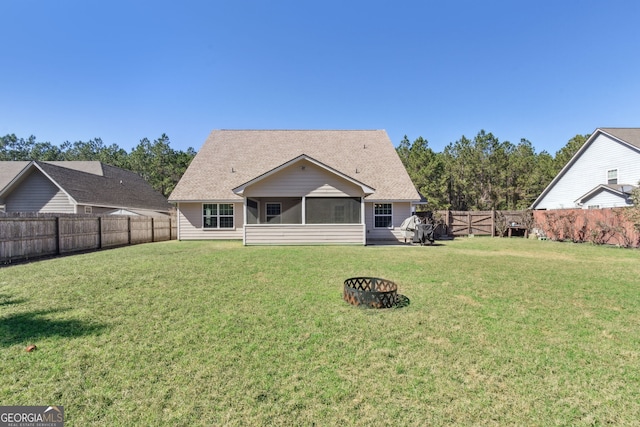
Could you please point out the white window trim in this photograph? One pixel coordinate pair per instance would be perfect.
(377, 215)
(616, 177)
(218, 216)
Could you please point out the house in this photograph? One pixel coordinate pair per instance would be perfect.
(601, 174)
(76, 187)
(295, 187)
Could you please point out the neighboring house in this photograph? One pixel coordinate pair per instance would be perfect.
(76, 187)
(600, 175)
(295, 187)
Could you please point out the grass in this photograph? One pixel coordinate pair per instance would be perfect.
(497, 332)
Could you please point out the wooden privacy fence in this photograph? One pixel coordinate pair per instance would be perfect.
(611, 226)
(483, 223)
(598, 226)
(31, 237)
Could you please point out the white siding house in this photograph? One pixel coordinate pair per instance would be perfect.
(295, 187)
(600, 175)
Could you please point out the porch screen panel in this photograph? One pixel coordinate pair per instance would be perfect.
(332, 210)
(252, 211)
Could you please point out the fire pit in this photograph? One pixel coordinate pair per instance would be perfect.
(371, 292)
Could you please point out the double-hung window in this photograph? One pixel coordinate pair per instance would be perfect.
(382, 215)
(612, 176)
(217, 215)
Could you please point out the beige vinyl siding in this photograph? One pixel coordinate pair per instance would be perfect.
(298, 234)
(294, 181)
(190, 223)
(38, 194)
(400, 211)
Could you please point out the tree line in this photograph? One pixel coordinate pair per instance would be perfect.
(483, 173)
(155, 161)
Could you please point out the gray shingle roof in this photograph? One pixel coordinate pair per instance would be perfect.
(628, 135)
(114, 187)
(9, 170)
(94, 183)
(619, 189)
(230, 158)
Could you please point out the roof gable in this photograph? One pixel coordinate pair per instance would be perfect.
(231, 158)
(96, 184)
(620, 190)
(303, 159)
(627, 137)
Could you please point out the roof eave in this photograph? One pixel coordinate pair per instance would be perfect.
(603, 187)
(566, 167)
(7, 188)
(24, 171)
(239, 190)
(207, 200)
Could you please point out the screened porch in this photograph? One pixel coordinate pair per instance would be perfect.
(304, 210)
(304, 220)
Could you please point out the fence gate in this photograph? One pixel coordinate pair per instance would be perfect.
(472, 222)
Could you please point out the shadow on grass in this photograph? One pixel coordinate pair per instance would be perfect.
(22, 328)
(7, 300)
(402, 301)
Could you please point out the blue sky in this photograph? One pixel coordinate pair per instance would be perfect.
(124, 70)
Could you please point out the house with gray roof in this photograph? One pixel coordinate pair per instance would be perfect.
(601, 174)
(77, 187)
(295, 187)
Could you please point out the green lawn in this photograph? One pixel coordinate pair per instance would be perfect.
(496, 332)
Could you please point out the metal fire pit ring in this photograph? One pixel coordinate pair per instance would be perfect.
(371, 292)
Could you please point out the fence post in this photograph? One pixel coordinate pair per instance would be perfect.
(128, 230)
(153, 231)
(99, 232)
(469, 222)
(58, 238)
(493, 223)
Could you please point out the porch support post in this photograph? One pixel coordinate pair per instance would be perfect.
(245, 214)
(304, 210)
(244, 211)
(363, 222)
